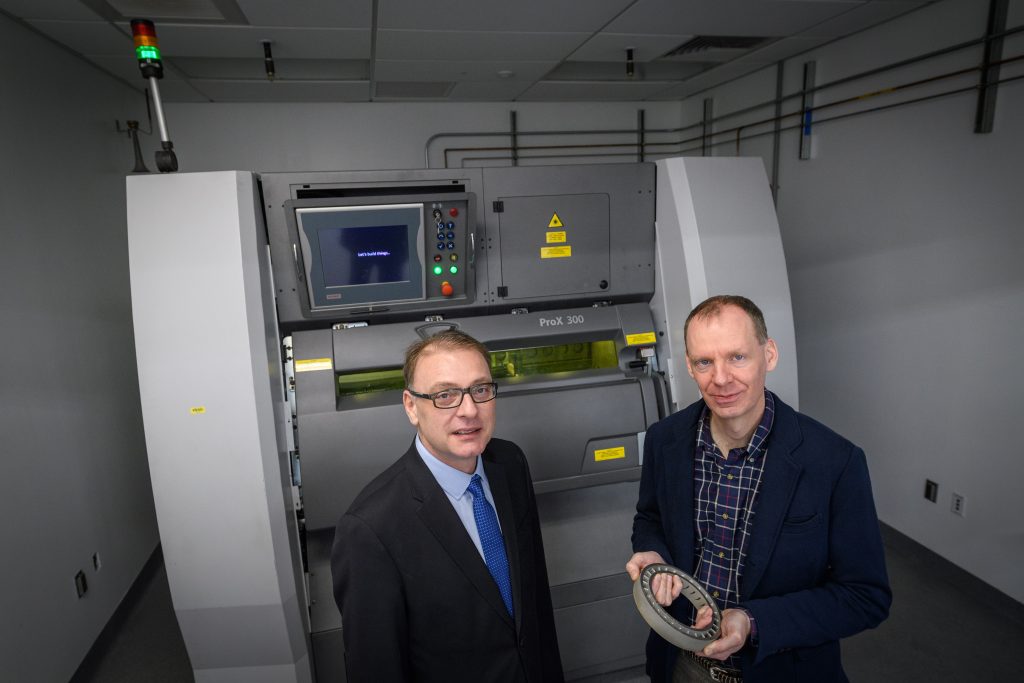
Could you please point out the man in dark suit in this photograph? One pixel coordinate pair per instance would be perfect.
(771, 511)
(432, 584)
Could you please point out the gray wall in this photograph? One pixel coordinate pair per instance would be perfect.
(904, 241)
(75, 479)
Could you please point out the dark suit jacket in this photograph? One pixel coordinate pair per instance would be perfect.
(815, 567)
(417, 601)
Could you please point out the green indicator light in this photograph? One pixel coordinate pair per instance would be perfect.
(438, 270)
(453, 270)
(147, 52)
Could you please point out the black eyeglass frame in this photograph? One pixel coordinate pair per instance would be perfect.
(462, 394)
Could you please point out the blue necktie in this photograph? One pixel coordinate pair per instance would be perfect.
(490, 539)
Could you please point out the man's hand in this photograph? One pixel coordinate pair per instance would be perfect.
(666, 587)
(735, 630)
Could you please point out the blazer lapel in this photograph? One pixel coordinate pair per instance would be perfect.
(497, 478)
(781, 474)
(677, 457)
(437, 513)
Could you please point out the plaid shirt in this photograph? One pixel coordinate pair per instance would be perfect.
(724, 492)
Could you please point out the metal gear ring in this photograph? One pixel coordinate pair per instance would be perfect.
(663, 623)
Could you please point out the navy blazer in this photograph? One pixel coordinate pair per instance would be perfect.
(417, 601)
(815, 566)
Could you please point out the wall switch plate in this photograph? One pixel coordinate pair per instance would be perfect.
(959, 502)
(931, 490)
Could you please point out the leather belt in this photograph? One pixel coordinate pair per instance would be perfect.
(675, 632)
(718, 673)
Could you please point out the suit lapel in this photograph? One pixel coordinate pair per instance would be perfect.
(497, 477)
(438, 515)
(678, 463)
(781, 474)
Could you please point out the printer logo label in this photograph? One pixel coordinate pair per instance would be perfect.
(561, 320)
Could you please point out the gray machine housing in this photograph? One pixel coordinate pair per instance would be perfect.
(255, 451)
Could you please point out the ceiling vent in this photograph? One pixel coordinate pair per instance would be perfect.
(706, 43)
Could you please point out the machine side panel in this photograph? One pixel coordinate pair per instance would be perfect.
(208, 402)
(720, 213)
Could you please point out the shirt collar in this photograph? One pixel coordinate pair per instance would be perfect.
(755, 447)
(453, 481)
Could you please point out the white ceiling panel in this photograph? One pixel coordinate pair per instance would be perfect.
(179, 40)
(557, 16)
(615, 71)
(88, 37)
(859, 19)
(573, 91)
(309, 13)
(279, 91)
(781, 49)
(610, 47)
(127, 67)
(488, 91)
(728, 17)
(708, 79)
(441, 70)
(284, 69)
(471, 46)
(181, 91)
(69, 10)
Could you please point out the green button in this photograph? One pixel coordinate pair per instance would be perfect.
(438, 270)
(453, 270)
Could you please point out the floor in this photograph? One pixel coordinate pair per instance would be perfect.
(945, 625)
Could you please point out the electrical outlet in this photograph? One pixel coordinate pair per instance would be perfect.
(931, 490)
(81, 585)
(959, 503)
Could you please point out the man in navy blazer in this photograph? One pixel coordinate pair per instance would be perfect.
(770, 510)
(428, 590)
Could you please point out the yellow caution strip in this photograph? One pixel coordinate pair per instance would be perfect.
(639, 339)
(609, 454)
(556, 252)
(310, 364)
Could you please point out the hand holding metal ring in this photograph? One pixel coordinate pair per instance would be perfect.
(675, 632)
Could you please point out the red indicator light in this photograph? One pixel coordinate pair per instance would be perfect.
(447, 289)
(453, 212)
(437, 258)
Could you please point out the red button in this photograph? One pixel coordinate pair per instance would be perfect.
(447, 289)
(453, 212)
(437, 258)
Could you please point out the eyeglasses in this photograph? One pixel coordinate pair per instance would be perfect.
(452, 398)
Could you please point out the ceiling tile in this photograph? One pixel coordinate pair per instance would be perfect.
(858, 19)
(564, 91)
(309, 13)
(125, 66)
(180, 40)
(266, 91)
(180, 91)
(472, 46)
(616, 71)
(609, 47)
(285, 69)
(488, 91)
(781, 49)
(88, 37)
(69, 10)
(728, 17)
(558, 16)
(708, 79)
(442, 70)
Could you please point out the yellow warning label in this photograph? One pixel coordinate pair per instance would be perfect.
(643, 338)
(311, 364)
(556, 252)
(609, 454)
(553, 237)
(556, 222)
(197, 410)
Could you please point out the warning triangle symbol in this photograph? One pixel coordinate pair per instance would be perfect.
(555, 221)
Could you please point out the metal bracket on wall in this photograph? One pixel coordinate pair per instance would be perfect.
(640, 135)
(806, 110)
(988, 86)
(514, 135)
